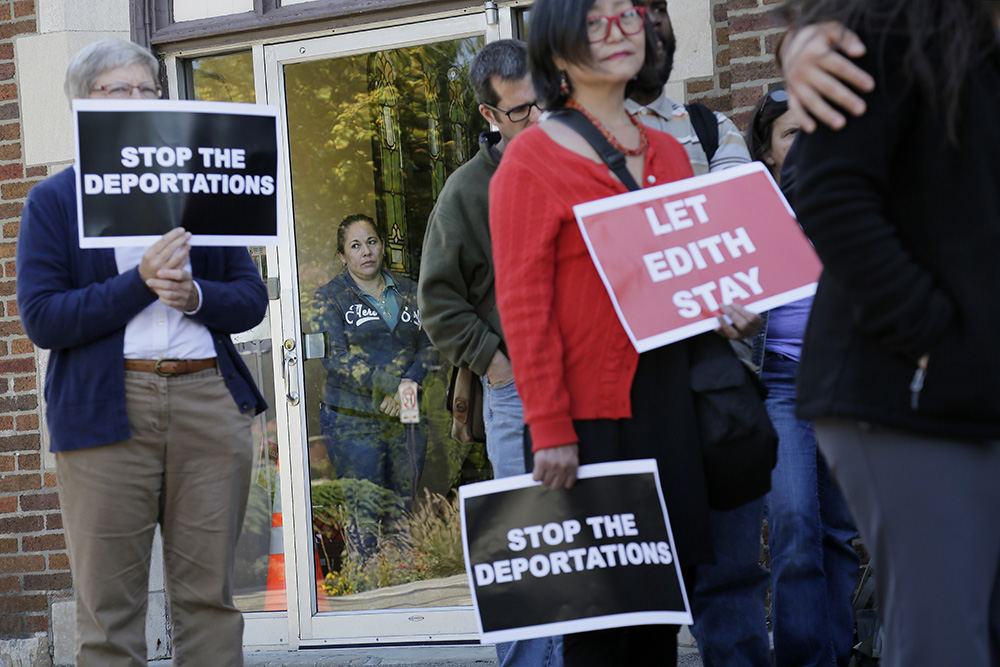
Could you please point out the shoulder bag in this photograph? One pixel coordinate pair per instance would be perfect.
(465, 403)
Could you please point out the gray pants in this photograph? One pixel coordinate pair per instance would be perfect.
(928, 509)
(186, 467)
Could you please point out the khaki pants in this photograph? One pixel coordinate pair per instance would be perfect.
(187, 467)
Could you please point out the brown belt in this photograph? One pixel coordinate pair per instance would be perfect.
(169, 367)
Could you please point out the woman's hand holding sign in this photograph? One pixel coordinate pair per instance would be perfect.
(162, 269)
(555, 467)
(736, 322)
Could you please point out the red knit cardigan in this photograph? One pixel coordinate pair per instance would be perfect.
(572, 359)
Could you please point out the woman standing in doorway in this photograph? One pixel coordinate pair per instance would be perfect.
(375, 347)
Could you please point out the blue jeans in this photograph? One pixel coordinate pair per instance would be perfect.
(503, 416)
(813, 565)
(377, 448)
(728, 598)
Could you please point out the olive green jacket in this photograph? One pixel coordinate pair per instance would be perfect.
(455, 292)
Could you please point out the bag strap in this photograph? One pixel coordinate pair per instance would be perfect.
(612, 157)
(706, 126)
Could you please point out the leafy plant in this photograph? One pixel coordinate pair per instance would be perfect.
(352, 510)
(436, 534)
(425, 544)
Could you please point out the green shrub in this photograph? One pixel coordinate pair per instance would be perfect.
(436, 533)
(423, 544)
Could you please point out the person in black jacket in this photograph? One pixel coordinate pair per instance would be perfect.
(375, 346)
(899, 371)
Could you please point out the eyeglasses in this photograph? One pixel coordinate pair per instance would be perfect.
(630, 21)
(519, 113)
(121, 90)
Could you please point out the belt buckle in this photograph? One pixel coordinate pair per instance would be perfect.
(162, 373)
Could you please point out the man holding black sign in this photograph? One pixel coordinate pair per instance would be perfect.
(149, 406)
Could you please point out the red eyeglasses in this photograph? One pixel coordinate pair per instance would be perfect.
(630, 21)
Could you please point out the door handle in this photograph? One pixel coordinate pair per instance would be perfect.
(289, 358)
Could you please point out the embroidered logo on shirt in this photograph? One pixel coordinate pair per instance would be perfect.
(406, 315)
(358, 314)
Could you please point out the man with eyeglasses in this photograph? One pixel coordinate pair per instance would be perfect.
(149, 406)
(728, 598)
(657, 110)
(455, 290)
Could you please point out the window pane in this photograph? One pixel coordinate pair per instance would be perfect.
(377, 134)
(226, 78)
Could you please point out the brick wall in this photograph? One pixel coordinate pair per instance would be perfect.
(746, 33)
(34, 567)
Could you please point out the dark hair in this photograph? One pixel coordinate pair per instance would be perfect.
(348, 222)
(770, 107)
(559, 28)
(947, 39)
(505, 58)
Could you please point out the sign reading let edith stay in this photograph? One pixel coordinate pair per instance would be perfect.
(672, 255)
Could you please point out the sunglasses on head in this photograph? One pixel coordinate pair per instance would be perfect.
(780, 96)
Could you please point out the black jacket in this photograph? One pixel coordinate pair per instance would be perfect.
(908, 228)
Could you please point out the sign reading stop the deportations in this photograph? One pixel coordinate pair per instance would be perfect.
(144, 167)
(598, 555)
(672, 255)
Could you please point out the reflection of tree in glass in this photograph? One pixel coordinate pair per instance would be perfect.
(342, 163)
(335, 118)
(227, 78)
(334, 121)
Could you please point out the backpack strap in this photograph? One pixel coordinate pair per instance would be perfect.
(612, 157)
(706, 126)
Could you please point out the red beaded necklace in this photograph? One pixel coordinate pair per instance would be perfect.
(631, 152)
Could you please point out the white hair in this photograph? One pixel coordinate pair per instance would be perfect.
(97, 58)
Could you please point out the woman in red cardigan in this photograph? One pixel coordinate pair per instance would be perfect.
(588, 395)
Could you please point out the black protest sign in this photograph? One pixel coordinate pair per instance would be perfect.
(146, 167)
(598, 555)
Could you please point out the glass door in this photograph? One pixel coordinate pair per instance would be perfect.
(259, 585)
(229, 78)
(374, 122)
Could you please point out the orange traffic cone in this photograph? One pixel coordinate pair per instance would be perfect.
(274, 595)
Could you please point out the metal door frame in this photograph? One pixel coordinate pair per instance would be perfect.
(444, 624)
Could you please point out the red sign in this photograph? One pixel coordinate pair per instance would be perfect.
(671, 255)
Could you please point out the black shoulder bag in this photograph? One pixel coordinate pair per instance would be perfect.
(739, 445)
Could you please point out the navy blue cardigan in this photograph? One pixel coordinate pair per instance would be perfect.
(76, 304)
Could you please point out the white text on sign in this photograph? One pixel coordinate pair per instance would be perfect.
(698, 255)
(602, 527)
